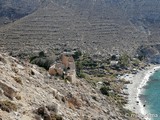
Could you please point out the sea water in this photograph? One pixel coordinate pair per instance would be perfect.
(151, 96)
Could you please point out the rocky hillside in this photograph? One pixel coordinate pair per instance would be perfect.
(11, 10)
(98, 27)
(28, 93)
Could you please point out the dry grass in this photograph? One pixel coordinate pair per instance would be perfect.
(15, 70)
(55, 117)
(18, 80)
(7, 106)
(74, 103)
(18, 97)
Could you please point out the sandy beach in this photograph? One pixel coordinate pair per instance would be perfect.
(138, 81)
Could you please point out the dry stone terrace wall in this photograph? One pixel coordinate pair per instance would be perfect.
(63, 27)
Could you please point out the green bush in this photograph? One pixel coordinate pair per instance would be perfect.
(43, 62)
(136, 62)
(78, 67)
(81, 75)
(32, 58)
(100, 75)
(124, 60)
(42, 54)
(77, 54)
(104, 90)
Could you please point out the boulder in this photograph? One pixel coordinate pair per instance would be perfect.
(52, 71)
(9, 90)
(2, 59)
(53, 108)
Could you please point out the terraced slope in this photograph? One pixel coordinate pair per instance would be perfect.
(95, 26)
(61, 27)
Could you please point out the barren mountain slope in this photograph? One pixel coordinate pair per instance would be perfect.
(95, 26)
(100, 28)
(10, 10)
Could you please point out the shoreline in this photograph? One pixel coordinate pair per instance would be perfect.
(135, 89)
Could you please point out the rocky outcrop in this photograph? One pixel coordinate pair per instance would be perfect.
(151, 53)
(9, 90)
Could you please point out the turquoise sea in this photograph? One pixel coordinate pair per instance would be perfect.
(151, 96)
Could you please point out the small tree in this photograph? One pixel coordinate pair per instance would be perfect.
(77, 54)
(42, 60)
(78, 67)
(42, 54)
(104, 90)
(124, 60)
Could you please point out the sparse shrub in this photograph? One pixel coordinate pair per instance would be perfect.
(53, 108)
(15, 70)
(113, 57)
(78, 66)
(40, 111)
(125, 82)
(73, 102)
(7, 106)
(125, 111)
(76, 103)
(89, 63)
(77, 54)
(18, 80)
(101, 75)
(32, 58)
(124, 60)
(56, 117)
(21, 55)
(44, 62)
(105, 90)
(51, 115)
(141, 57)
(136, 62)
(71, 106)
(82, 75)
(42, 54)
(18, 97)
